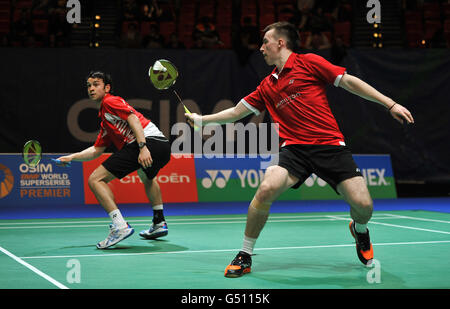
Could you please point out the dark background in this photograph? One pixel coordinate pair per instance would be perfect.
(43, 70)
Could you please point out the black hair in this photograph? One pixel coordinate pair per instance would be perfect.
(288, 31)
(106, 78)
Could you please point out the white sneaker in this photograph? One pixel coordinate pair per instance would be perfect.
(155, 231)
(115, 235)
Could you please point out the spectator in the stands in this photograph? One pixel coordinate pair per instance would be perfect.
(23, 31)
(130, 10)
(409, 5)
(250, 37)
(304, 10)
(205, 34)
(343, 11)
(174, 42)
(41, 6)
(318, 21)
(249, 40)
(338, 50)
(305, 5)
(317, 41)
(59, 28)
(154, 39)
(150, 11)
(4, 41)
(131, 38)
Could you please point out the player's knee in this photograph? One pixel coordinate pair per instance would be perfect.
(266, 192)
(92, 180)
(365, 204)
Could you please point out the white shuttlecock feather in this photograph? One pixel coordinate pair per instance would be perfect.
(159, 67)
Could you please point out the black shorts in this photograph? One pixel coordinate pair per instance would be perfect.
(331, 163)
(125, 161)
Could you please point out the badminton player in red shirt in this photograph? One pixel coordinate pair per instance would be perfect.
(311, 141)
(141, 146)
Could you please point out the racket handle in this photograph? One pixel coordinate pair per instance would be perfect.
(196, 128)
(186, 109)
(60, 163)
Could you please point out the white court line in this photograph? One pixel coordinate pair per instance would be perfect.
(409, 227)
(242, 217)
(232, 250)
(400, 226)
(418, 218)
(34, 269)
(242, 220)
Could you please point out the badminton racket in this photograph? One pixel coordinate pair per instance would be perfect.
(163, 75)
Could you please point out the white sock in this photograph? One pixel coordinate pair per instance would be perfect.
(361, 228)
(117, 218)
(248, 244)
(158, 207)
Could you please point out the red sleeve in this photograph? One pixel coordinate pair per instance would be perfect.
(254, 101)
(324, 70)
(117, 106)
(103, 139)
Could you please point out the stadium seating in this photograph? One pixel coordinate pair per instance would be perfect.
(431, 27)
(24, 4)
(40, 27)
(343, 30)
(5, 15)
(166, 28)
(447, 32)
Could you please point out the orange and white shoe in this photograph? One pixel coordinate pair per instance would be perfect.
(239, 266)
(364, 247)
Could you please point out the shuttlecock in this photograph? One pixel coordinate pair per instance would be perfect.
(159, 67)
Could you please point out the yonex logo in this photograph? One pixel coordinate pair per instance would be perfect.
(214, 177)
(374, 176)
(163, 76)
(6, 181)
(313, 179)
(246, 178)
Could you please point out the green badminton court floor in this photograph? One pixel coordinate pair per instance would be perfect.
(294, 251)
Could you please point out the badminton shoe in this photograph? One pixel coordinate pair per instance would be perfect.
(239, 266)
(115, 235)
(364, 247)
(155, 231)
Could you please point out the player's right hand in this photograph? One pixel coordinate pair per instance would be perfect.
(193, 118)
(63, 161)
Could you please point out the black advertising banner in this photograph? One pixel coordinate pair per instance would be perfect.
(43, 96)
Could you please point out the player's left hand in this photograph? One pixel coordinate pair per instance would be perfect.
(401, 114)
(145, 158)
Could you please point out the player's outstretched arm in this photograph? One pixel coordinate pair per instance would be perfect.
(364, 90)
(231, 114)
(85, 155)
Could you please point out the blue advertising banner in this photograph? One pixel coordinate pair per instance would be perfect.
(217, 180)
(45, 184)
(222, 179)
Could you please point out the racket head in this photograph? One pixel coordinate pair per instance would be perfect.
(163, 74)
(32, 153)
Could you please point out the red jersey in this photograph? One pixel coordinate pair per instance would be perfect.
(296, 99)
(114, 128)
